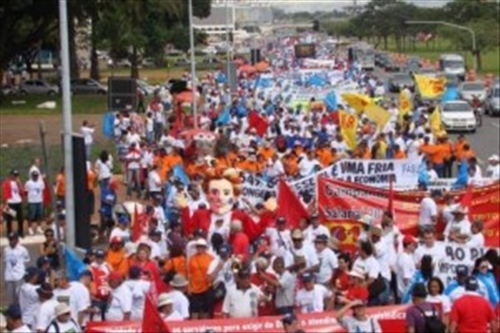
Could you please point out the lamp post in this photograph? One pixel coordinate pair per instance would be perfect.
(456, 26)
(193, 65)
(228, 52)
(67, 125)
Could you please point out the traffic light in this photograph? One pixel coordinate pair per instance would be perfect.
(316, 25)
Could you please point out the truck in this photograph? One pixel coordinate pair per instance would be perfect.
(453, 64)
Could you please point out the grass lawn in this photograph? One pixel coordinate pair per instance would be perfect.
(490, 59)
(81, 104)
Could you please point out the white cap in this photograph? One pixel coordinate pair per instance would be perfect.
(164, 299)
(494, 158)
(200, 242)
(356, 274)
(460, 210)
(62, 308)
(365, 219)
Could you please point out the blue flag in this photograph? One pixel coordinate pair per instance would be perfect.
(423, 175)
(74, 265)
(451, 94)
(180, 174)
(108, 124)
(331, 101)
(225, 117)
(242, 111)
(463, 176)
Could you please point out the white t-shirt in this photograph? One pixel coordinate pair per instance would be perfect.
(279, 241)
(15, 260)
(87, 133)
(149, 125)
(405, 269)
(22, 329)
(174, 316)
(311, 301)
(351, 324)
(46, 313)
(437, 252)
(428, 208)
(68, 327)
(369, 266)
(311, 232)
(442, 300)
(77, 296)
(134, 160)
(285, 295)
(121, 303)
(28, 301)
(382, 252)
(104, 170)
(307, 251)
(181, 303)
(138, 289)
(462, 227)
(15, 193)
(117, 232)
(327, 264)
(154, 181)
(476, 240)
(306, 166)
(242, 304)
(34, 190)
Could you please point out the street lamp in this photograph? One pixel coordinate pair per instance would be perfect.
(456, 26)
(193, 65)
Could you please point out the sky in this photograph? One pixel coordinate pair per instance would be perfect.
(327, 5)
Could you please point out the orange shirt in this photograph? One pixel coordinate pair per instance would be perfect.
(118, 261)
(199, 281)
(367, 155)
(91, 180)
(399, 155)
(178, 264)
(267, 153)
(325, 157)
(249, 166)
(440, 153)
(60, 185)
(459, 150)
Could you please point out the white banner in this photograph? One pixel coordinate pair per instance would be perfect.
(254, 189)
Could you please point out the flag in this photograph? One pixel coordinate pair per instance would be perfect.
(136, 227)
(436, 124)
(451, 94)
(331, 101)
(357, 101)
(180, 173)
(390, 204)
(151, 319)
(74, 265)
(258, 122)
(348, 128)
(430, 87)
(289, 205)
(224, 117)
(405, 104)
(466, 201)
(423, 175)
(378, 115)
(463, 176)
(108, 124)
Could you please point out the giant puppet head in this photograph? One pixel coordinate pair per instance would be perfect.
(222, 192)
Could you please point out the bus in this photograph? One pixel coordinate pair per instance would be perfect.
(364, 54)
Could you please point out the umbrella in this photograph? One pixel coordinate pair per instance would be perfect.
(261, 66)
(248, 69)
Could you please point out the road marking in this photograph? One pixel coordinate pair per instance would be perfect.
(495, 125)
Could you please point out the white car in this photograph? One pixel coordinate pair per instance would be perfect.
(458, 116)
(470, 89)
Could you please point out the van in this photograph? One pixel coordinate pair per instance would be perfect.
(452, 64)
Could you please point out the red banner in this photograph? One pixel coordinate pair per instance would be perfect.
(341, 203)
(391, 319)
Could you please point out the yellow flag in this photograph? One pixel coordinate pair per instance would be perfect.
(348, 128)
(357, 101)
(430, 87)
(378, 115)
(405, 104)
(436, 124)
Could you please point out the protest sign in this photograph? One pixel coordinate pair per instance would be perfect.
(254, 189)
(390, 318)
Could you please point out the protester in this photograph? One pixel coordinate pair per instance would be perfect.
(166, 308)
(15, 257)
(359, 322)
(28, 297)
(13, 196)
(422, 314)
(63, 321)
(14, 319)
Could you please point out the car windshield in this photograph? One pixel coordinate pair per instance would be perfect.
(453, 64)
(456, 107)
(473, 86)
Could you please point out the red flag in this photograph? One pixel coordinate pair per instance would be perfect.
(257, 122)
(137, 227)
(390, 204)
(151, 319)
(289, 205)
(466, 201)
(46, 193)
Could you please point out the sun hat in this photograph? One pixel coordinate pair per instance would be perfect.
(164, 299)
(62, 309)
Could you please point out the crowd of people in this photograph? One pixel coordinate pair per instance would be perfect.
(206, 252)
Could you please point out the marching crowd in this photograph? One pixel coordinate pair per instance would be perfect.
(206, 252)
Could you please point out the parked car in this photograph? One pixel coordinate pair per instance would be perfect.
(181, 62)
(492, 103)
(458, 115)
(88, 86)
(399, 80)
(469, 90)
(123, 63)
(9, 90)
(145, 88)
(40, 87)
(148, 63)
(427, 71)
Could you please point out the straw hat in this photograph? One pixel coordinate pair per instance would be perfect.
(61, 309)
(164, 299)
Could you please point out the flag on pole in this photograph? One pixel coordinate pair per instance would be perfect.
(378, 115)
(436, 123)
(405, 104)
(289, 205)
(390, 204)
(151, 319)
(357, 101)
(136, 227)
(466, 201)
(430, 87)
(348, 128)
(74, 265)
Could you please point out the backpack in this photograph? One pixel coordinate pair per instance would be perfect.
(432, 324)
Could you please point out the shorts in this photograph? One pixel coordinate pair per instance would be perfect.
(35, 212)
(202, 303)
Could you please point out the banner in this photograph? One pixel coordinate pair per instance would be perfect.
(457, 254)
(391, 320)
(341, 203)
(254, 189)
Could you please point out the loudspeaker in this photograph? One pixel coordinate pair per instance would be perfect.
(255, 56)
(122, 93)
(81, 204)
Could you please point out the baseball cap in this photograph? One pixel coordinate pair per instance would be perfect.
(123, 219)
(14, 311)
(462, 270)
(30, 273)
(419, 290)
(99, 253)
(201, 242)
(297, 234)
(225, 250)
(116, 240)
(322, 238)
(288, 319)
(154, 233)
(471, 284)
(436, 193)
(307, 277)
(13, 235)
(14, 172)
(62, 309)
(198, 233)
(42, 261)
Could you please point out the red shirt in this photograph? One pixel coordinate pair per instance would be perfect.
(241, 245)
(340, 280)
(360, 293)
(265, 308)
(472, 313)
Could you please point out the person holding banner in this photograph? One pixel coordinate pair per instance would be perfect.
(459, 229)
(359, 322)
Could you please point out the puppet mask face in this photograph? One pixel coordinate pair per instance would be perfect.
(220, 196)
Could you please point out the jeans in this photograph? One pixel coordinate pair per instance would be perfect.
(448, 168)
(12, 291)
(88, 151)
(439, 168)
(35, 212)
(18, 208)
(103, 183)
(133, 182)
(158, 131)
